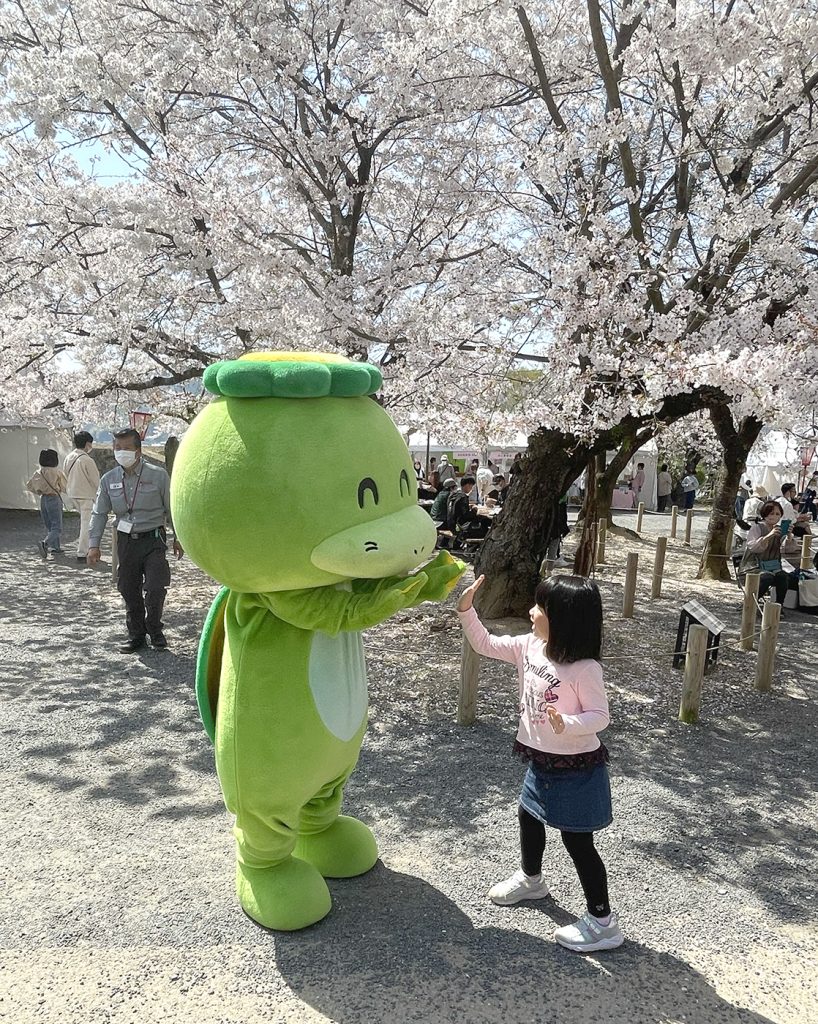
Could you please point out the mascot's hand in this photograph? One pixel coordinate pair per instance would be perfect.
(442, 575)
(410, 588)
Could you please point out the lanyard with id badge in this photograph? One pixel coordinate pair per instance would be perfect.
(126, 525)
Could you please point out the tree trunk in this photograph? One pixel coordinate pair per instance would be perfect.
(171, 448)
(512, 553)
(599, 506)
(736, 445)
(585, 557)
(516, 545)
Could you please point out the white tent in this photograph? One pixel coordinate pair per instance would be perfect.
(649, 456)
(20, 446)
(500, 455)
(774, 460)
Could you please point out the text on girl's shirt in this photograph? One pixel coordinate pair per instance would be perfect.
(539, 693)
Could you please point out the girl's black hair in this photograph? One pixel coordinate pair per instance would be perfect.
(574, 609)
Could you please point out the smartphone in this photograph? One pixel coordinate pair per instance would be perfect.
(785, 525)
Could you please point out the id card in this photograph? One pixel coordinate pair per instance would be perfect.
(124, 526)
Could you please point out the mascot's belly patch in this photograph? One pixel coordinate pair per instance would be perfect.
(338, 682)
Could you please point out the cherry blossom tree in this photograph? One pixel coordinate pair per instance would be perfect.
(667, 203)
(283, 187)
(621, 195)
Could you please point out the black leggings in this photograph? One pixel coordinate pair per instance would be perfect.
(580, 846)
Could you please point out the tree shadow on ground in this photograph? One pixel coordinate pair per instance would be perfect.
(727, 799)
(376, 958)
(119, 727)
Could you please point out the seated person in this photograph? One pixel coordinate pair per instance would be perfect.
(500, 490)
(438, 509)
(763, 553)
(799, 520)
(461, 518)
(751, 507)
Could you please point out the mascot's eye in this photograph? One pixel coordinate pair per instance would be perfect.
(404, 479)
(367, 484)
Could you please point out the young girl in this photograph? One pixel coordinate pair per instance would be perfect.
(562, 708)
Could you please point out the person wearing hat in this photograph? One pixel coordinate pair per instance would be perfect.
(445, 470)
(49, 484)
(753, 504)
(438, 509)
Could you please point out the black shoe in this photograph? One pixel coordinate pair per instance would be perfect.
(132, 645)
(42, 550)
(81, 558)
(159, 641)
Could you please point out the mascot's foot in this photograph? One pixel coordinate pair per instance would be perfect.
(286, 897)
(345, 849)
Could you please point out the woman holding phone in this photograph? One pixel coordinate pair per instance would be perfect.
(763, 552)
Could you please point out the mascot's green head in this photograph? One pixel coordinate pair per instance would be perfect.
(293, 477)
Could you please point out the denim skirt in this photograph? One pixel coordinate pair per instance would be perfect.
(570, 799)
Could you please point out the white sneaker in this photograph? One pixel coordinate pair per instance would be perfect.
(561, 563)
(519, 887)
(589, 934)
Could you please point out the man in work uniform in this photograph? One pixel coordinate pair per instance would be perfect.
(139, 496)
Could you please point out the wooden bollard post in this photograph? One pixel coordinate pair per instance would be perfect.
(694, 674)
(640, 511)
(806, 544)
(467, 694)
(688, 525)
(748, 611)
(658, 567)
(674, 514)
(602, 529)
(629, 596)
(766, 646)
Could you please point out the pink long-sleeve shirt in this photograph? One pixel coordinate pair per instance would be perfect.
(575, 691)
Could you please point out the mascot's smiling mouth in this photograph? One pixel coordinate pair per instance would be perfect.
(393, 544)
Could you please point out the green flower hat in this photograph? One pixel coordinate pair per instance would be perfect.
(291, 375)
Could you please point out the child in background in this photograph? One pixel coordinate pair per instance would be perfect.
(562, 708)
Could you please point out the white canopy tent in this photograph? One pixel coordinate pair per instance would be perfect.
(500, 455)
(20, 446)
(774, 460)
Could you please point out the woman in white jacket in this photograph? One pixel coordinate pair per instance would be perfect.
(83, 483)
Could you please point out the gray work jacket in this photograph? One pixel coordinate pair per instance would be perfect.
(143, 497)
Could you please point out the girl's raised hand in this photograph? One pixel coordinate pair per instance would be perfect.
(467, 597)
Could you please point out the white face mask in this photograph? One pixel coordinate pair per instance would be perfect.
(125, 459)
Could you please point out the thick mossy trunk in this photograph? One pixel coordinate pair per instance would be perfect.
(511, 555)
(736, 445)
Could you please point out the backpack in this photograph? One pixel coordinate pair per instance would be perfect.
(451, 510)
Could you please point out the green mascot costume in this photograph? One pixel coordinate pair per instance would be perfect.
(294, 490)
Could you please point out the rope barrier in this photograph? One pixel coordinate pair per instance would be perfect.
(675, 654)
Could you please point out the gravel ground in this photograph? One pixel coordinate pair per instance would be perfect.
(116, 879)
